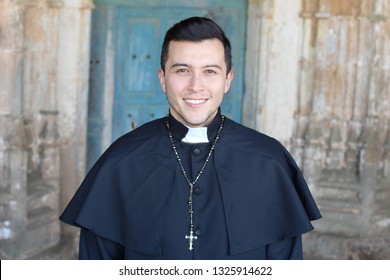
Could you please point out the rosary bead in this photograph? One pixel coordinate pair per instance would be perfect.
(191, 237)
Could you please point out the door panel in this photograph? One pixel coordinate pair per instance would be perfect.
(138, 56)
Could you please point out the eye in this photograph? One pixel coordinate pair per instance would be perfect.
(182, 71)
(210, 71)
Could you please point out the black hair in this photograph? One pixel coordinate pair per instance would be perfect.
(196, 29)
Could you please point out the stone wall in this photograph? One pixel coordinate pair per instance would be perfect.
(29, 134)
(342, 123)
(318, 80)
(36, 136)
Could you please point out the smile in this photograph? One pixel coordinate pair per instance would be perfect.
(195, 101)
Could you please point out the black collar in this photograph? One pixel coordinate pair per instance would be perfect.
(179, 130)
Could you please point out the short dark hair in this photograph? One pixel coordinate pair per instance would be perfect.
(196, 29)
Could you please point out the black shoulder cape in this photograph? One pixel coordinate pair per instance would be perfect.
(125, 195)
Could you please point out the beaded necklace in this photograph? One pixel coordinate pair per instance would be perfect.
(191, 237)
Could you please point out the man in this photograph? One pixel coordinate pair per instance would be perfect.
(193, 185)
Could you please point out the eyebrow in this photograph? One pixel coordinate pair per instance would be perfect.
(186, 65)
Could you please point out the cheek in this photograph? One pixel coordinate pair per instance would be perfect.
(175, 86)
(218, 88)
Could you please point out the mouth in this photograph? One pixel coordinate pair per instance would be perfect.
(194, 102)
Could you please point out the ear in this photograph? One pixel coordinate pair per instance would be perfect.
(228, 81)
(161, 77)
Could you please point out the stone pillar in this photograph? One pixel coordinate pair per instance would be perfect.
(13, 155)
(72, 94)
(259, 24)
(272, 60)
(45, 47)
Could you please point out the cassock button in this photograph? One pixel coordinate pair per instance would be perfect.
(196, 151)
(198, 191)
(198, 232)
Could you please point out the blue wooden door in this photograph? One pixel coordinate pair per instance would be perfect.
(137, 29)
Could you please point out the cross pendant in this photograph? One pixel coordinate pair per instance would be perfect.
(191, 239)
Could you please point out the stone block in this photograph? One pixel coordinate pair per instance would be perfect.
(50, 165)
(11, 83)
(339, 193)
(66, 249)
(41, 195)
(42, 232)
(37, 28)
(323, 246)
(11, 26)
(380, 222)
(372, 248)
(343, 220)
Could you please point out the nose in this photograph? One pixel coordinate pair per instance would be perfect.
(195, 83)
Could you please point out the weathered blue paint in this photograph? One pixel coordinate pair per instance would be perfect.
(96, 120)
(137, 29)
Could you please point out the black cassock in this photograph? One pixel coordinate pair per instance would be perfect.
(251, 201)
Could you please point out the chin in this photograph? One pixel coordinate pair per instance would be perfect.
(196, 122)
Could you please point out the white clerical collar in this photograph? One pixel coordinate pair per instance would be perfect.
(196, 135)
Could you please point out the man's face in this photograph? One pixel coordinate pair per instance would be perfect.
(195, 80)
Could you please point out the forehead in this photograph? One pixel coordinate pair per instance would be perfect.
(211, 49)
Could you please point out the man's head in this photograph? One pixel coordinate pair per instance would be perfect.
(196, 29)
(195, 72)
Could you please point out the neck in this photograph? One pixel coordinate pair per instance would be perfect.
(188, 124)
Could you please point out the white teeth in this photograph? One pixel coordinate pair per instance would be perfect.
(194, 101)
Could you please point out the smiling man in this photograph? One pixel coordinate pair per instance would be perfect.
(193, 185)
(195, 79)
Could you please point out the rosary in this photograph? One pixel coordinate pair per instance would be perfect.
(191, 237)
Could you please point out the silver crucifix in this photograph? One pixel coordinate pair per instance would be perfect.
(191, 239)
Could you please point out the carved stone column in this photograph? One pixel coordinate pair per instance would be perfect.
(342, 122)
(271, 85)
(13, 155)
(45, 47)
